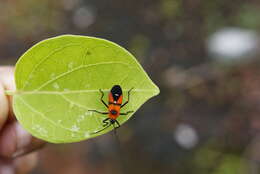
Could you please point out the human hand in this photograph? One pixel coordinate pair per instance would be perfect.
(16, 144)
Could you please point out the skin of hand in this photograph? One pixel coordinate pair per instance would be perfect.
(17, 146)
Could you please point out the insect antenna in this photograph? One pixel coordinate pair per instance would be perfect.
(120, 153)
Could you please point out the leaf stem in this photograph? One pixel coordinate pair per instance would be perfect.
(10, 92)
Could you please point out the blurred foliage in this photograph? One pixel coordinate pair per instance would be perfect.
(217, 101)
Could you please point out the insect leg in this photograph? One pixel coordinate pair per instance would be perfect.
(128, 98)
(102, 95)
(99, 112)
(118, 125)
(105, 122)
(101, 130)
(128, 112)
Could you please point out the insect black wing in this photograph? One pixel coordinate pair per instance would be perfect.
(116, 92)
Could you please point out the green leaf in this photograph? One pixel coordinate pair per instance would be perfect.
(58, 81)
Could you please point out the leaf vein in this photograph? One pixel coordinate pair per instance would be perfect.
(46, 118)
(46, 58)
(75, 69)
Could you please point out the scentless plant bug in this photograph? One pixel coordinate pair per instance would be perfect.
(115, 99)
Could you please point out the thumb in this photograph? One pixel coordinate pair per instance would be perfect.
(6, 83)
(14, 140)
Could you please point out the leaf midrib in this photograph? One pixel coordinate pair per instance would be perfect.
(78, 91)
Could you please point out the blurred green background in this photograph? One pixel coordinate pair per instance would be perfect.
(204, 56)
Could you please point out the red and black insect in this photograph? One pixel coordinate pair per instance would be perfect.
(115, 100)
